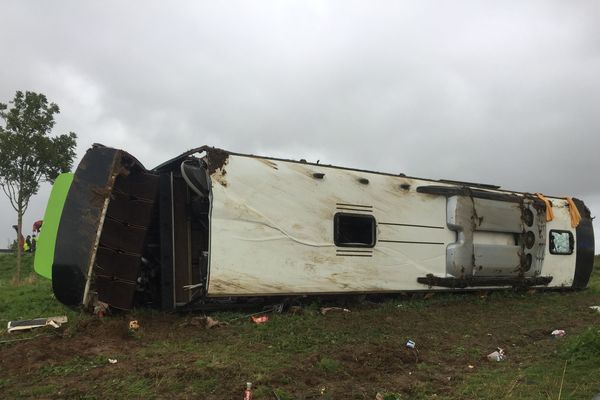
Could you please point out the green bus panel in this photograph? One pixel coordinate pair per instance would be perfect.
(44, 252)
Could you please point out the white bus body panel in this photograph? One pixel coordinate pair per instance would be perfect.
(272, 231)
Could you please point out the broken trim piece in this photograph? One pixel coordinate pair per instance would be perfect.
(88, 281)
(28, 324)
(449, 191)
(462, 283)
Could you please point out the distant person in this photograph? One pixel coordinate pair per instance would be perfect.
(27, 245)
(37, 226)
(33, 243)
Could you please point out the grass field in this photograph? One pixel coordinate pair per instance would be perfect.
(339, 355)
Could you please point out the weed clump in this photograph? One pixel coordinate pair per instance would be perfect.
(585, 346)
(328, 365)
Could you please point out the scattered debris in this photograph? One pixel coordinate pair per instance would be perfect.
(595, 308)
(206, 322)
(134, 325)
(278, 308)
(211, 323)
(260, 319)
(325, 310)
(411, 347)
(100, 309)
(27, 324)
(497, 355)
(248, 391)
(112, 360)
(558, 333)
(379, 396)
(470, 366)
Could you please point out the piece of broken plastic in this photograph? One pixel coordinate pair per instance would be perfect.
(325, 310)
(410, 344)
(558, 333)
(259, 319)
(26, 324)
(595, 308)
(211, 323)
(112, 360)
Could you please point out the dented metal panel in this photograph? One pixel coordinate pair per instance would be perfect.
(272, 230)
(496, 260)
(497, 216)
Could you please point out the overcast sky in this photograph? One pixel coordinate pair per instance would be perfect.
(497, 92)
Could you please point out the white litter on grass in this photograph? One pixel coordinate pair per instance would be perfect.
(112, 360)
(497, 355)
(595, 308)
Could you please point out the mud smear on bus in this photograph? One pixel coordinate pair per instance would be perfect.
(217, 159)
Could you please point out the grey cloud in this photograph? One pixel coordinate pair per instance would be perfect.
(502, 93)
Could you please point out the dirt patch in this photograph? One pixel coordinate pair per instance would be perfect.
(337, 355)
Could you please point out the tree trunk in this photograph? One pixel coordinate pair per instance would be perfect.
(17, 277)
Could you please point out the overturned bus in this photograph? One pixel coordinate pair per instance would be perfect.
(216, 227)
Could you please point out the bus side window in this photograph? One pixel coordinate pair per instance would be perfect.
(354, 230)
(561, 242)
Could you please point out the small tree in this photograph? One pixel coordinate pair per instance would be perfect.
(28, 155)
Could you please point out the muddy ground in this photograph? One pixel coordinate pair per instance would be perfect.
(340, 355)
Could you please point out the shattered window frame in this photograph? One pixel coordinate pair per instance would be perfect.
(338, 236)
(553, 245)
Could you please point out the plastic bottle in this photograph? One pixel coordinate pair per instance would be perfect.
(248, 391)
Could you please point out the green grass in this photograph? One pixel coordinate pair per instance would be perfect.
(74, 366)
(542, 376)
(595, 279)
(329, 365)
(32, 298)
(583, 347)
(340, 355)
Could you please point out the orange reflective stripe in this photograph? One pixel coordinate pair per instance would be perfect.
(574, 212)
(549, 211)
